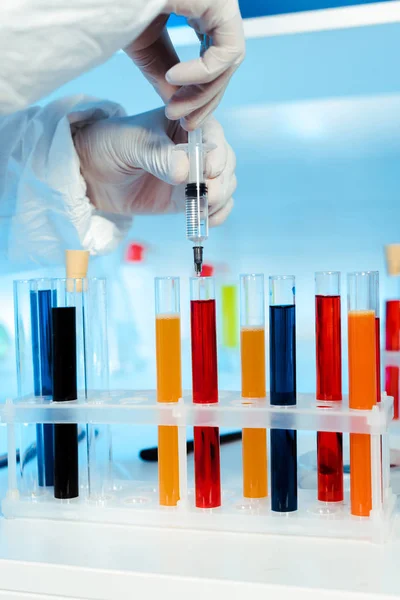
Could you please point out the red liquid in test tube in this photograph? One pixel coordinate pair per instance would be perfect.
(392, 343)
(205, 391)
(329, 383)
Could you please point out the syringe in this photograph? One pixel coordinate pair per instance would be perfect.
(196, 198)
(196, 189)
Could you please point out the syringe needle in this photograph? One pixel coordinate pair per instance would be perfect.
(198, 259)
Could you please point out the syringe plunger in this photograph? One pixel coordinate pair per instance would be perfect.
(196, 161)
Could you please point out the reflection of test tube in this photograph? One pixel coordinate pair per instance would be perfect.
(362, 382)
(252, 337)
(169, 383)
(329, 381)
(205, 390)
(282, 324)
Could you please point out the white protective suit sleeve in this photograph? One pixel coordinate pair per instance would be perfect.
(43, 204)
(45, 43)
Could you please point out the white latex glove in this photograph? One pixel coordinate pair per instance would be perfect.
(131, 166)
(193, 89)
(45, 43)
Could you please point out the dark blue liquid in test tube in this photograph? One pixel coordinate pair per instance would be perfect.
(282, 316)
(41, 303)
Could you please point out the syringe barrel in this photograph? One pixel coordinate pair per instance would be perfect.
(196, 213)
(196, 191)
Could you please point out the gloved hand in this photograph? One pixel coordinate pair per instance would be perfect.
(131, 166)
(192, 89)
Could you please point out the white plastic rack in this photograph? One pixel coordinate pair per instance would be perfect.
(130, 502)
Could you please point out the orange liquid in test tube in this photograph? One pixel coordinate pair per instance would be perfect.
(169, 389)
(362, 395)
(255, 484)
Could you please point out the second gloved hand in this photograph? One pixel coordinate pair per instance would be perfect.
(131, 166)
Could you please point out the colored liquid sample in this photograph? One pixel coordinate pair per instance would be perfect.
(282, 321)
(254, 441)
(362, 395)
(168, 355)
(392, 344)
(283, 470)
(329, 388)
(378, 358)
(328, 348)
(253, 362)
(41, 304)
(205, 391)
(254, 455)
(204, 351)
(392, 329)
(330, 466)
(207, 470)
(229, 304)
(168, 465)
(169, 389)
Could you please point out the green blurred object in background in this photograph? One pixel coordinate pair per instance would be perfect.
(229, 304)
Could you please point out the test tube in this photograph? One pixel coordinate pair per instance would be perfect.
(66, 478)
(93, 377)
(252, 338)
(205, 390)
(362, 382)
(282, 323)
(169, 382)
(329, 381)
(33, 302)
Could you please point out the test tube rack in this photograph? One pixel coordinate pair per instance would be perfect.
(129, 502)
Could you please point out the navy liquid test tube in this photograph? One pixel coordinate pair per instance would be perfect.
(41, 303)
(282, 325)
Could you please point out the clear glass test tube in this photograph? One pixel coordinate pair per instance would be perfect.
(282, 323)
(252, 338)
(66, 469)
(205, 390)
(88, 297)
(362, 382)
(169, 382)
(329, 381)
(33, 302)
